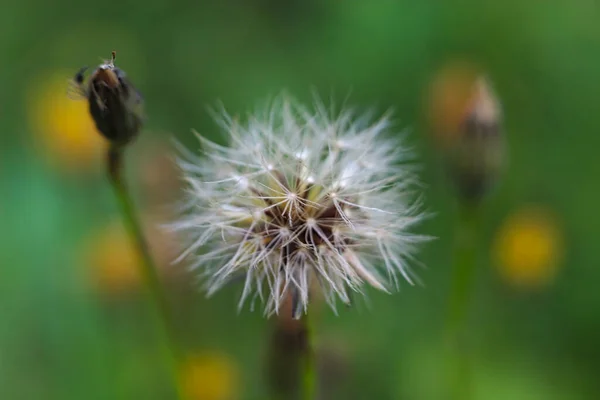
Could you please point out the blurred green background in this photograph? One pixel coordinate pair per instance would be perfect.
(74, 321)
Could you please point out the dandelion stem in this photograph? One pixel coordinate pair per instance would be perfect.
(309, 372)
(464, 269)
(147, 266)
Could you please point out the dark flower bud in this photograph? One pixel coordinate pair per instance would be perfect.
(114, 103)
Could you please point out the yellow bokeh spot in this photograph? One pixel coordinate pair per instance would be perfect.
(64, 130)
(113, 261)
(528, 248)
(212, 376)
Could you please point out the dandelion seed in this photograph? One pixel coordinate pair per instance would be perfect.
(301, 199)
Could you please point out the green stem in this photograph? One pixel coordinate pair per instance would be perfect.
(147, 266)
(309, 372)
(464, 270)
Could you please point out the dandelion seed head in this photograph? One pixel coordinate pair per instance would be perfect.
(300, 199)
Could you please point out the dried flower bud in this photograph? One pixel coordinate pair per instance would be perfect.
(478, 155)
(114, 103)
(466, 119)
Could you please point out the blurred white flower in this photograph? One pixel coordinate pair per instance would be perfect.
(300, 199)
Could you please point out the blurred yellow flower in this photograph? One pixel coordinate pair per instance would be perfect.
(211, 376)
(64, 130)
(113, 260)
(528, 248)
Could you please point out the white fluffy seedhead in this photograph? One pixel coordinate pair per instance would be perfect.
(299, 199)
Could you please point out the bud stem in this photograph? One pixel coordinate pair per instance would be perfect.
(464, 269)
(146, 264)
